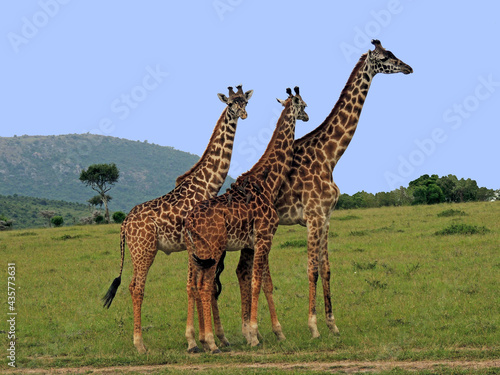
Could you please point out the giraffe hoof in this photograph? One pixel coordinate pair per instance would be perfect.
(334, 330)
(216, 351)
(280, 336)
(194, 350)
(142, 350)
(315, 333)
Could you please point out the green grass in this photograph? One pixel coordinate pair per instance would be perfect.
(399, 292)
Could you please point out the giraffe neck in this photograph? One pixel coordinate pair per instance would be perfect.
(335, 133)
(209, 173)
(269, 172)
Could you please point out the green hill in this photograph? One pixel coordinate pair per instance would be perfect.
(25, 211)
(49, 166)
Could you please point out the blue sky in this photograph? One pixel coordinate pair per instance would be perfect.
(151, 71)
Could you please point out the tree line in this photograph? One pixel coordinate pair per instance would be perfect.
(424, 190)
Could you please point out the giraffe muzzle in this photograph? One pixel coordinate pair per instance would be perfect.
(406, 69)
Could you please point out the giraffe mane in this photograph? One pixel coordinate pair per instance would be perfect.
(202, 158)
(338, 106)
(262, 161)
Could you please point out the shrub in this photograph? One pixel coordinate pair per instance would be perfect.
(57, 221)
(294, 243)
(364, 266)
(451, 212)
(462, 229)
(99, 219)
(118, 217)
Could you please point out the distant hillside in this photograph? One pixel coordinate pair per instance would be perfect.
(49, 166)
(25, 211)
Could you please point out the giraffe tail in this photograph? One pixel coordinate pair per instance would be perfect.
(218, 271)
(110, 294)
(203, 263)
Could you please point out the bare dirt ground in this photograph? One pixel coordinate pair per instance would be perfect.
(344, 367)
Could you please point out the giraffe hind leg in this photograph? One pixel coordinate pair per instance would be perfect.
(136, 287)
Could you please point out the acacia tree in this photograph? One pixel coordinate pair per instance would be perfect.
(101, 178)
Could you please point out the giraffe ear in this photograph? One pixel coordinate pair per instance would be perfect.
(281, 101)
(248, 94)
(223, 98)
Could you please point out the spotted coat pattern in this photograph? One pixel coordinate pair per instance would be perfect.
(158, 224)
(243, 217)
(309, 195)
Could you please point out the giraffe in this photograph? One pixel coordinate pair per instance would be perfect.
(243, 217)
(309, 195)
(158, 224)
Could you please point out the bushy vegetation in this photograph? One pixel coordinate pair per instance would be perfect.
(118, 217)
(57, 221)
(424, 190)
(462, 229)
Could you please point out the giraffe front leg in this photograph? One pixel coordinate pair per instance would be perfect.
(313, 243)
(268, 291)
(219, 330)
(325, 278)
(262, 248)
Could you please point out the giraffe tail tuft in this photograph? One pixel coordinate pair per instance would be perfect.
(203, 263)
(110, 294)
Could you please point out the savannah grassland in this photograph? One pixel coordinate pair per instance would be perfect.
(402, 294)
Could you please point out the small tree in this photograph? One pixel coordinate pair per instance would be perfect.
(101, 178)
(57, 221)
(99, 219)
(47, 214)
(118, 217)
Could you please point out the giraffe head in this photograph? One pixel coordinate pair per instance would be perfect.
(384, 61)
(237, 101)
(297, 102)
